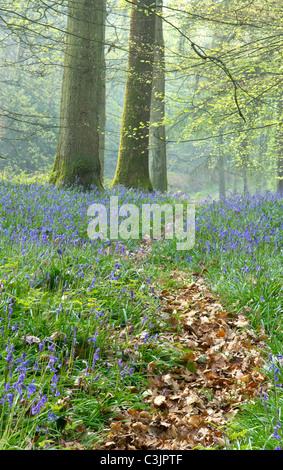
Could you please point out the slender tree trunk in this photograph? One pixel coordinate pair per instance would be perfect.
(279, 142)
(280, 174)
(260, 177)
(244, 164)
(132, 167)
(77, 159)
(221, 170)
(245, 180)
(157, 133)
(235, 185)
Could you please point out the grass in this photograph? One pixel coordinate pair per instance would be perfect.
(78, 317)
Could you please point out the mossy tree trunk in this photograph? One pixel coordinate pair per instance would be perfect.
(157, 132)
(77, 159)
(133, 159)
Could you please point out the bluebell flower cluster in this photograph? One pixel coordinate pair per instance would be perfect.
(241, 223)
(45, 228)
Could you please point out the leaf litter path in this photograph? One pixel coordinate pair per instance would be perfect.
(221, 367)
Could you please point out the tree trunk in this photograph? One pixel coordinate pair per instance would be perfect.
(102, 108)
(235, 185)
(280, 173)
(245, 180)
(244, 163)
(132, 167)
(157, 134)
(221, 170)
(77, 159)
(279, 142)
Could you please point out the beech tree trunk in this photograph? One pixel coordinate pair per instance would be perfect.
(133, 159)
(157, 133)
(78, 151)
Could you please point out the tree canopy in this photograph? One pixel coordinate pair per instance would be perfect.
(223, 74)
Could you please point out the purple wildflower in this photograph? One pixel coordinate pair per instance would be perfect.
(95, 357)
(10, 399)
(52, 417)
(93, 339)
(10, 355)
(39, 405)
(31, 388)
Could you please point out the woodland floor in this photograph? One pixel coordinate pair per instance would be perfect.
(222, 368)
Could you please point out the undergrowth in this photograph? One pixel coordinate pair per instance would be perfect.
(78, 316)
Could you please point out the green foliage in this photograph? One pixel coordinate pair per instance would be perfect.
(31, 86)
(226, 85)
(200, 101)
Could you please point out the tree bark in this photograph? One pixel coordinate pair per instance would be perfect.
(77, 159)
(133, 167)
(157, 133)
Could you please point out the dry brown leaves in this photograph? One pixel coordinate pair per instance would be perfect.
(220, 369)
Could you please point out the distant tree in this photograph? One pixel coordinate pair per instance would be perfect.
(240, 78)
(78, 152)
(279, 142)
(221, 168)
(102, 108)
(30, 46)
(157, 135)
(133, 167)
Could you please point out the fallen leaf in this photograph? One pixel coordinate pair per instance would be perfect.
(160, 401)
(195, 421)
(192, 398)
(140, 426)
(225, 359)
(115, 427)
(30, 339)
(58, 335)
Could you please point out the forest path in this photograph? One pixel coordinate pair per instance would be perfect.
(221, 367)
